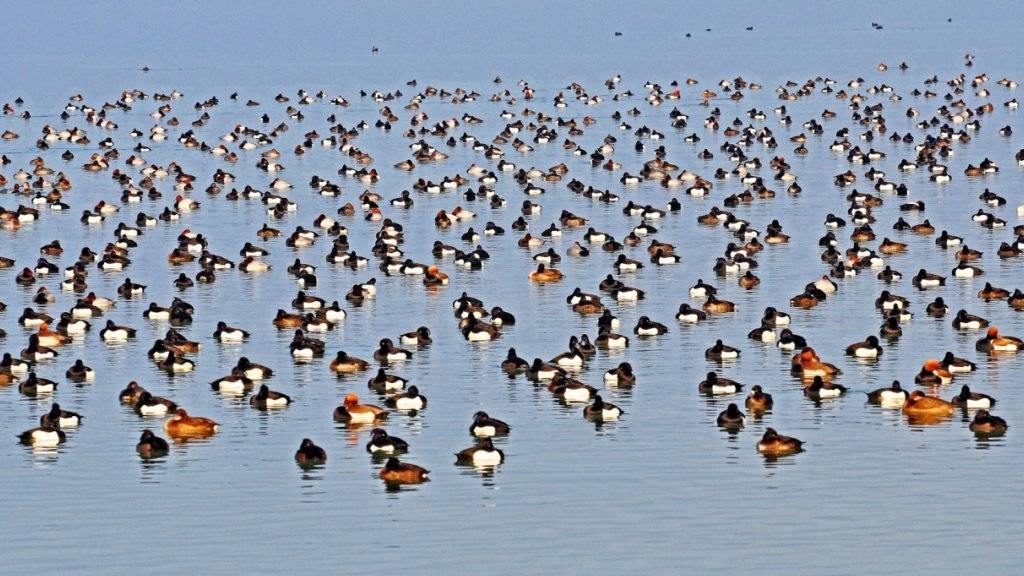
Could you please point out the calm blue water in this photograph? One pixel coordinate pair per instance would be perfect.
(660, 490)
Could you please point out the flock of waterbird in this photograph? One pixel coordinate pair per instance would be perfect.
(520, 125)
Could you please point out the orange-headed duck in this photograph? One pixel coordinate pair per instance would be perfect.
(351, 411)
(994, 343)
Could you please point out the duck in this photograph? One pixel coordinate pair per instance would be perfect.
(690, 315)
(807, 365)
(233, 384)
(383, 443)
(921, 405)
(476, 330)
(151, 446)
(888, 275)
(50, 338)
(972, 400)
(764, 334)
(351, 411)
(35, 352)
(396, 472)
(513, 364)
(387, 352)
(601, 411)
(418, 337)
(989, 293)
(955, 365)
(79, 372)
(933, 374)
(731, 417)
(788, 340)
(176, 364)
(149, 405)
(987, 424)
(228, 334)
(869, 348)
(647, 327)
(702, 290)
(715, 306)
(384, 382)
(924, 280)
(569, 389)
(821, 390)
(266, 398)
(721, 351)
(482, 454)
(155, 313)
(59, 418)
(713, 385)
(543, 274)
(33, 385)
(183, 426)
(774, 444)
(993, 343)
(309, 454)
(965, 270)
(251, 370)
(893, 395)
(304, 348)
(131, 393)
(775, 318)
(965, 321)
(1016, 300)
(409, 400)
(128, 289)
(501, 317)
(43, 436)
(608, 340)
(113, 333)
(758, 400)
(345, 364)
(622, 375)
(483, 426)
(937, 308)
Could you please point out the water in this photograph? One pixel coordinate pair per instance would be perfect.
(662, 488)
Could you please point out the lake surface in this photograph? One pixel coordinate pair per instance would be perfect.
(660, 490)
